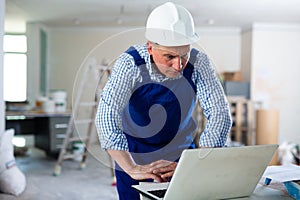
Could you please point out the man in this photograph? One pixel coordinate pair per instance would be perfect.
(144, 117)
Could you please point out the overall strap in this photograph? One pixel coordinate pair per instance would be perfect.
(139, 61)
(136, 56)
(193, 56)
(188, 71)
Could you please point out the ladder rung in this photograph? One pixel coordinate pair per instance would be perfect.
(73, 139)
(68, 156)
(83, 121)
(92, 103)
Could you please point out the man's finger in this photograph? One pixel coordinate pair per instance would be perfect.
(160, 163)
(167, 175)
(170, 167)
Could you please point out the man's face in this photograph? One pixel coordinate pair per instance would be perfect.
(170, 61)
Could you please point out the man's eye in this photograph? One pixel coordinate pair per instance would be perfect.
(170, 57)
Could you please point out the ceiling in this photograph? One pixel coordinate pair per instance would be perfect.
(97, 13)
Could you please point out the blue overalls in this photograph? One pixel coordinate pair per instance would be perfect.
(158, 121)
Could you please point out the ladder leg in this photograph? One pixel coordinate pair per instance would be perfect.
(87, 140)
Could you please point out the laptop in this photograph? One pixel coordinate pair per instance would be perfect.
(213, 173)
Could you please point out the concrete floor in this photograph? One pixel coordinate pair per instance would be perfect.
(92, 183)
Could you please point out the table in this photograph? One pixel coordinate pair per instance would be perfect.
(48, 128)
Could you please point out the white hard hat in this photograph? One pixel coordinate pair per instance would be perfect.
(171, 25)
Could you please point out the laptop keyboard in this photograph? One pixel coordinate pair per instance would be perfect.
(158, 193)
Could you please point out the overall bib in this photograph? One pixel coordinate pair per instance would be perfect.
(158, 121)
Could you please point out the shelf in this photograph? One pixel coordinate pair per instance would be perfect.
(243, 117)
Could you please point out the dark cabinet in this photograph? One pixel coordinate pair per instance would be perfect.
(50, 133)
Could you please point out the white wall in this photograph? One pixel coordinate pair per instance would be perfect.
(2, 108)
(223, 45)
(69, 47)
(275, 74)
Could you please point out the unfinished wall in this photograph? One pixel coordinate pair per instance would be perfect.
(275, 72)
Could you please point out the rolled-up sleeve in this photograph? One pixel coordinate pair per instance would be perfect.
(214, 103)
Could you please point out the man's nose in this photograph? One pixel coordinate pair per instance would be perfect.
(177, 64)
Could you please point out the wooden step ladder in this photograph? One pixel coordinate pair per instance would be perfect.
(92, 78)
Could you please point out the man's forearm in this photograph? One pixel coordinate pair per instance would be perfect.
(123, 158)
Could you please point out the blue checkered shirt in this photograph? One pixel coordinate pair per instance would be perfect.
(125, 74)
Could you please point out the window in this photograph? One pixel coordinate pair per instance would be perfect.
(15, 68)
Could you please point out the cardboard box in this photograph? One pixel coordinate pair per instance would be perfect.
(267, 129)
(232, 76)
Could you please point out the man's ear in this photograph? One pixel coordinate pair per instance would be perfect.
(149, 47)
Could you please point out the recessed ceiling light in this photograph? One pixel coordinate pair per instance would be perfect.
(210, 22)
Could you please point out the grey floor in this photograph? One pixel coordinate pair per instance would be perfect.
(91, 183)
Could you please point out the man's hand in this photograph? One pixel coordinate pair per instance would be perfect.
(141, 172)
(165, 169)
(159, 170)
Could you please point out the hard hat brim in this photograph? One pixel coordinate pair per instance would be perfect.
(169, 38)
